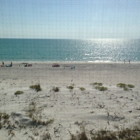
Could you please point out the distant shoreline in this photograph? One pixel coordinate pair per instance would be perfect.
(69, 62)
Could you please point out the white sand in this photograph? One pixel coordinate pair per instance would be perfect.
(71, 110)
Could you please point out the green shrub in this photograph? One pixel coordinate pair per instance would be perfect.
(125, 87)
(101, 88)
(121, 85)
(56, 89)
(98, 84)
(70, 87)
(82, 88)
(36, 87)
(130, 86)
(18, 92)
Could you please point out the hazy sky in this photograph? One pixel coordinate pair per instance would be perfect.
(76, 19)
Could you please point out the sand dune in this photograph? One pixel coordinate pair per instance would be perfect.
(36, 115)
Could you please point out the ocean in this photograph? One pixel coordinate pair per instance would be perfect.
(97, 50)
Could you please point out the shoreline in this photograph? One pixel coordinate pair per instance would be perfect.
(71, 62)
(111, 73)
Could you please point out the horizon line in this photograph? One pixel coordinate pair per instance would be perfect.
(71, 38)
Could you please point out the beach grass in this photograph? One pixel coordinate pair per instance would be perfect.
(123, 134)
(36, 87)
(4, 118)
(121, 85)
(130, 86)
(18, 92)
(138, 138)
(82, 88)
(125, 86)
(101, 88)
(50, 121)
(56, 89)
(32, 109)
(81, 136)
(32, 112)
(70, 87)
(99, 84)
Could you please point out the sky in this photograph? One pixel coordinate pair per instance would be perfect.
(70, 19)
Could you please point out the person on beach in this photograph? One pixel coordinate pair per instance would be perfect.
(2, 64)
(129, 61)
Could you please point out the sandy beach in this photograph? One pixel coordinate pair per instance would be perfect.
(55, 115)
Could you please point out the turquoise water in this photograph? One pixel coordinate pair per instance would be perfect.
(110, 50)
